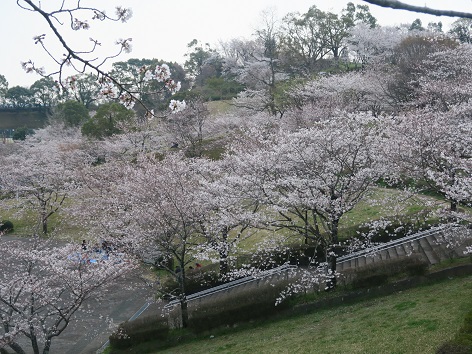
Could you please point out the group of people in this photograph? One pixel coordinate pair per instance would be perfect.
(96, 253)
(197, 266)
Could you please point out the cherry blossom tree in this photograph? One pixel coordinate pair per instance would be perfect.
(44, 286)
(39, 172)
(431, 145)
(56, 15)
(256, 65)
(444, 78)
(434, 148)
(150, 207)
(367, 43)
(188, 128)
(311, 177)
(360, 91)
(229, 218)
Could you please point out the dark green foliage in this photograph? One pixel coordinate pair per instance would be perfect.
(138, 331)
(131, 74)
(107, 120)
(219, 88)
(73, 113)
(22, 133)
(461, 29)
(376, 274)
(6, 226)
(19, 97)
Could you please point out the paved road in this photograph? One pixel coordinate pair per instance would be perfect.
(89, 331)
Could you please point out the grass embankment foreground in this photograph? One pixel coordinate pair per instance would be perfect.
(418, 320)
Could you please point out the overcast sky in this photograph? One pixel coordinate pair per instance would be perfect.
(162, 29)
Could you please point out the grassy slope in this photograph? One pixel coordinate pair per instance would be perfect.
(219, 107)
(414, 321)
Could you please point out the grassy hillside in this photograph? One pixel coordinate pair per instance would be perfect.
(219, 107)
(414, 321)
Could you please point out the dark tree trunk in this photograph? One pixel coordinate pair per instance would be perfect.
(44, 223)
(183, 295)
(331, 259)
(334, 231)
(47, 346)
(332, 281)
(34, 342)
(453, 206)
(16, 348)
(224, 265)
(184, 310)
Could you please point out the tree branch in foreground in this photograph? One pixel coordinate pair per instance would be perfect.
(394, 4)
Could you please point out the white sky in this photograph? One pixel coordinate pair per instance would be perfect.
(162, 29)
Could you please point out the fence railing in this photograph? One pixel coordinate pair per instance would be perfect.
(234, 283)
(393, 243)
(286, 267)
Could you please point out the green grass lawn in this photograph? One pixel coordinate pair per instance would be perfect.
(394, 205)
(219, 107)
(415, 321)
(25, 222)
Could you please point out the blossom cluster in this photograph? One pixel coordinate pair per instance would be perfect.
(177, 106)
(161, 74)
(108, 90)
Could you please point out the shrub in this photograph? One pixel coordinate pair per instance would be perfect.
(140, 330)
(376, 274)
(6, 226)
(370, 280)
(22, 133)
(416, 266)
(243, 306)
(454, 348)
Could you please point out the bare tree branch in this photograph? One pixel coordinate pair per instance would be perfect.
(82, 60)
(398, 5)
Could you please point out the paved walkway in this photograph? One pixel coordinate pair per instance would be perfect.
(89, 331)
